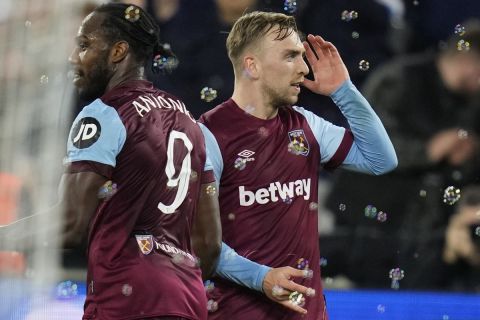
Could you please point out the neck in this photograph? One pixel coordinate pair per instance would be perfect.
(122, 76)
(249, 97)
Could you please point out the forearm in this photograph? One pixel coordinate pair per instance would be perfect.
(207, 228)
(370, 136)
(240, 270)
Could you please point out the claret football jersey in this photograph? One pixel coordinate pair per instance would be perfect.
(140, 260)
(268, 172)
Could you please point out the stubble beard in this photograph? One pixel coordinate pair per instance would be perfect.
(278, 99)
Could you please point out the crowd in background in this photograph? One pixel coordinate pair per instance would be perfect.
(421, 74)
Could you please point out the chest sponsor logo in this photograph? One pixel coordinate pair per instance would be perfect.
(298, 142)
(86, 132)
(275, 191)
(145, 243)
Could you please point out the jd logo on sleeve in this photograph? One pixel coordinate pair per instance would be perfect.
(86, 132)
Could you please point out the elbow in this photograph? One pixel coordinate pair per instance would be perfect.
(392, 163)
(389, 165)
(216, 249)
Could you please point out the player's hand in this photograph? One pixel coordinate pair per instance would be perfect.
(278, 285)
(328, 69)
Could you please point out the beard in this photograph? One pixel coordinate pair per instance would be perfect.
(278, 98)
(97, 79)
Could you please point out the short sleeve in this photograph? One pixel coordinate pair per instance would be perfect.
(208, 174)
(334, 141)
(97, 134)
(214, 155)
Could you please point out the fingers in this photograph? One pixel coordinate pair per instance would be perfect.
(309, 53)
(294, 307)
(321, 47)
(316, 44)
(325, 46)
(279, 286)
(293, 286)
(332, 49)
(297, 273)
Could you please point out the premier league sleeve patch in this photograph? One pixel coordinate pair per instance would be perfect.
(298, 143)
(85, 132)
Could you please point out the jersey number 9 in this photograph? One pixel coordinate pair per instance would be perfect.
(182, 181)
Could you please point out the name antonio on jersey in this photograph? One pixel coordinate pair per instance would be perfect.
(144, 104)
(274, 192)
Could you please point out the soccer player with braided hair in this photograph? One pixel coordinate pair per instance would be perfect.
(141, 148)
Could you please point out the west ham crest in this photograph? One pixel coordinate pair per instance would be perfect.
(145, 243)
(298, 143)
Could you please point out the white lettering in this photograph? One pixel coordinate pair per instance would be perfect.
(79, 133)
(298, 187)
(175, 104)
(86, 134)
(86, 131)
(148, 101)
(243, 195)
(275, 191)
(171, 249)
(285, 191)
(157, 102)
(140, 108)
(262, 196)
(164, 102)
(306, 187)
(272, 190)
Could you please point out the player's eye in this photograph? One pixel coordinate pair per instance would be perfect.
(82, 45)
(291, 56)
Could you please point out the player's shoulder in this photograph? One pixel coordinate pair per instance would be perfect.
(97, 134)
(98, 106)
(98, 111)
(219, 114)
(297, 113)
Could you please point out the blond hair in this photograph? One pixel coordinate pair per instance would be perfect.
(254, 25)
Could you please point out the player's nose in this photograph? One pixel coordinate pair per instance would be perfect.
(303, 67)
(73, 57)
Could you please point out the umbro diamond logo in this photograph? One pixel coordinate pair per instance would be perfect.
(246, 153)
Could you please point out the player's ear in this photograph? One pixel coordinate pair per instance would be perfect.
(251, 66)
(119, 51)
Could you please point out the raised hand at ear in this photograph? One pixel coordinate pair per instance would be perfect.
(328, 69)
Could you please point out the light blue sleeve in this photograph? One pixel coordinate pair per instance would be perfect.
(240, 270)
(97, 134)
(208, 164)
(214, 155)
(328, 135)
(372, 151)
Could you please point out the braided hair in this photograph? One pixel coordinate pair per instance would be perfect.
(135, 26)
